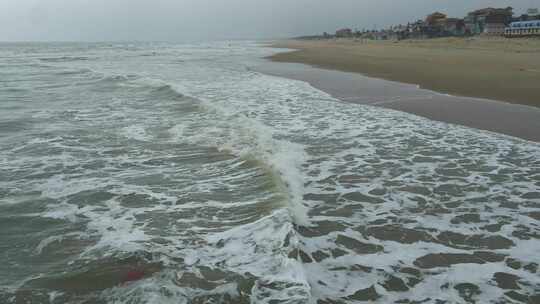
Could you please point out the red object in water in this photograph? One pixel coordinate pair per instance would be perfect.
(134, 275)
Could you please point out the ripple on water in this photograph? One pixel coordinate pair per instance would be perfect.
(207, 183)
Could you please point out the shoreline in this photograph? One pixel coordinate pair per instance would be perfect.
(488, 68)
(521, 121)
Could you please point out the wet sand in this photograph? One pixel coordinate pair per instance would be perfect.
(516, 120)
(495, 68)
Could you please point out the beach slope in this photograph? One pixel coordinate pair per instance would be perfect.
(498, 69)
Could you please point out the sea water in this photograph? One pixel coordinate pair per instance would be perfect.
(163, 173)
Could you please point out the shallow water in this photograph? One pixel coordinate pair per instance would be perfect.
(158, 173)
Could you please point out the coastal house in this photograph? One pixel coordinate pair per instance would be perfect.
(494, 29)
(381, 35)
(344, 33)
(433, 25)
(454, 27)
(399, 32)
(495, 25)
(435, 18)
(487, 21)
(439, 25)
(475, 22)
(417, 30)
(523, 29)
(532, 14)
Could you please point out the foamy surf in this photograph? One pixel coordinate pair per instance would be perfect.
(186, 178)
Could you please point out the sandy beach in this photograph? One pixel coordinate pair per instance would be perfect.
(494, 83)
(498, 69)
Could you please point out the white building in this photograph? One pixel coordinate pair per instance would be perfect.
(494, 29)
(523, 29)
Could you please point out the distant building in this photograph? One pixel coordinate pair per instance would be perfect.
(399, 32)
(433, 25)
(487, 21)
(523, 29)
(475, 22)
(344, 33)
(533, 12)
(495, 24)
(417, 30)
(494, 29)
(382, 35)
(435, 19)
(531, 15)
(454, 27)
(439, 25)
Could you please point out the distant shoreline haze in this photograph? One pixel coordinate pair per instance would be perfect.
(205, 20)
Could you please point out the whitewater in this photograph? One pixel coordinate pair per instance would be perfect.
(175, 173)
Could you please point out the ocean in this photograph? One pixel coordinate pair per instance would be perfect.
(175, 173)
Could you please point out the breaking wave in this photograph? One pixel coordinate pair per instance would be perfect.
(185, 178)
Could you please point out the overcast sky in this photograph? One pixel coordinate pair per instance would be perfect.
(181, 20)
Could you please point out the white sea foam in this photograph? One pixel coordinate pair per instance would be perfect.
(136, 132)
(230, 178)
(46, 242)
